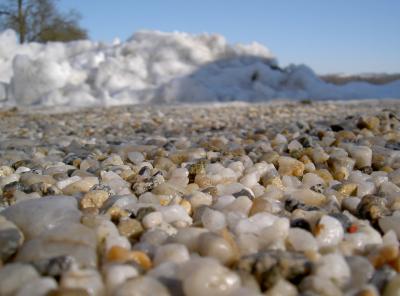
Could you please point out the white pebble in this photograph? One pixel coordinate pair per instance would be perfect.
(176, 253)
(330, 232)
(152, 220)
(213, 220)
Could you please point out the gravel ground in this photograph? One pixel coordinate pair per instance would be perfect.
(280, 198)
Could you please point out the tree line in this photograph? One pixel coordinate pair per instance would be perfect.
(40, 21)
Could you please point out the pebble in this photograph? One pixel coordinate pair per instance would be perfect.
(93, 199)
(142, 286)
(11, 238)
(175, 253)
(13, 276)
(207, 277)
(38, 287)
(215, 246)
(329, 232)
(84, 279)
(35, 216)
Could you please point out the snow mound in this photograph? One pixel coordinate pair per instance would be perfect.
(158, 67)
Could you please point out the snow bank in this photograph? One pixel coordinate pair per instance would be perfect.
(157, 67)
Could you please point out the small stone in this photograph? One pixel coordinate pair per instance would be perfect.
(114, 159)
(328, 232)
(207, 277)
(319, 286)
(135, 157)
(347, 189)
(372, 207)
(272, 265)
(369, 122)
(393, 287)
(308, 197)
(390, 223)
(55, 266)
(142, 212)
(301, 240)
(152, 220)
(119, 254)
(93, 198)
(176, 253)
(290, 166)
(335, 268)
(38, 287)
(213, 245)
(81, 186)
(130, 228)
(15, 275)
(11, 238)
(35, 216)
(142, 286)
(76, 240)
(213, 220)
(85, 279)
(117, 274)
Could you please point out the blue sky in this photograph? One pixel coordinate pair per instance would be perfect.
(349, 36)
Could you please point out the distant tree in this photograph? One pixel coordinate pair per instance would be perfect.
(40, 20)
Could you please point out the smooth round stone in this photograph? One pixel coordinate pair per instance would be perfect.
(5, 171)
(117, 184)
(329, 232)
(248, 243)
(390, 223)
(309, 197)
(255, 223)
(175, 213)
(142, 286)
(319, 286)
(135, 157)
(82, 185)
(282, 287)
(362, 155)
(207, 277)
(176, 253)
(130, 228)
(213, 245)
(116, 274)
(361, 271)
(250, 180)
(31, 178)
(38, 215)
(213, 220)
(152, 220)
(38, 287)
(274, 235)
(189, 237)
(11, 238)
(114, 159)
(86, 279)
(199, 198)
(73, 239)
(241, 204)
(14, 275)
(64, 183)
(116, 240)
(290, 166)
(334, 267)
(94, 198)
(9, 179)
(302, 240)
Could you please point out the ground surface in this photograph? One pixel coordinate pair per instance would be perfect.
(231, 199)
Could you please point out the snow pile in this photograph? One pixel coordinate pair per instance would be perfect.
(157, 67)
